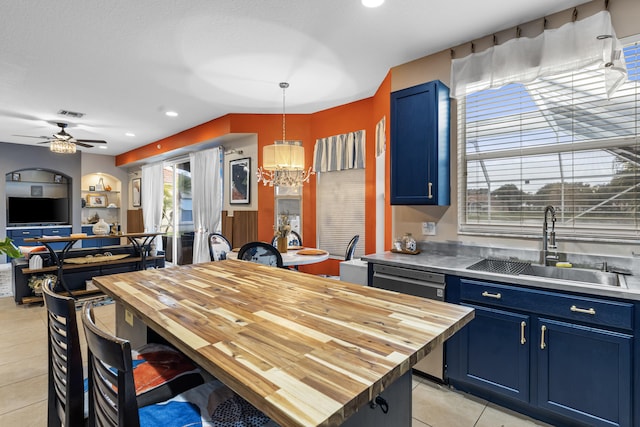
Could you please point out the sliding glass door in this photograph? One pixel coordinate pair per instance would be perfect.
(177, 213)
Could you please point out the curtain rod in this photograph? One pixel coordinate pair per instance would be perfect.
(518, 29)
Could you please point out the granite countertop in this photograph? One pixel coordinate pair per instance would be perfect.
(454, 259)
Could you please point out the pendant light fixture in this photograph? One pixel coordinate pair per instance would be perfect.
(283, 161)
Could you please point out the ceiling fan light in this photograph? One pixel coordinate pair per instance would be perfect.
(62, 147)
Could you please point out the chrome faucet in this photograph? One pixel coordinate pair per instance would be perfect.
(549, 238)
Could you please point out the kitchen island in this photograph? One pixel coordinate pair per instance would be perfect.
(306, 350)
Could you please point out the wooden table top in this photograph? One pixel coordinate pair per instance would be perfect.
(87, 237)
(306, 350)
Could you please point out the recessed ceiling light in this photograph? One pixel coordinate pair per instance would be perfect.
(130, 134)
(102, 147)
(171, 114)
(372, 3)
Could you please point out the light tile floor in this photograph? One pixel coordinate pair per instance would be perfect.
(23, 379)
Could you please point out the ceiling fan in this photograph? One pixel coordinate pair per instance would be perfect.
(63, 136)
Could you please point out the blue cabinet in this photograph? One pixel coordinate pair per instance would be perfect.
(419, 145)
(564, 358)
(495, 352)
(584, 373)
(97, 243)
(19, 234)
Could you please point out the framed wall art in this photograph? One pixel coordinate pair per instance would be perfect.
(97, 201)
(240, 181)
(136, 194)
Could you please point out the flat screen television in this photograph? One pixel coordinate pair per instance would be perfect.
(37, 211)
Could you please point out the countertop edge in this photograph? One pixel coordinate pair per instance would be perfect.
(457, 266)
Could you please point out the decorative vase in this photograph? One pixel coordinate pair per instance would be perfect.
(101, 228)
(409, 243)
(283, 243)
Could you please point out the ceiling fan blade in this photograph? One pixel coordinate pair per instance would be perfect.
(93, 141)
(82, 144)
(29, 136)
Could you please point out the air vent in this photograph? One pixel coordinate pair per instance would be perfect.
(68, 113)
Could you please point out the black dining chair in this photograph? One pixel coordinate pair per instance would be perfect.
(161, 372)
(261, 253)
(348, 255)
(112, 397)
(65, 401)
(351, 247)
(294, 239)
(219, 246)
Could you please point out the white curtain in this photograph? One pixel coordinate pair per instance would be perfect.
(381, 136)
(339, 152)
(152, 193)
(574, 46)
(206, 190)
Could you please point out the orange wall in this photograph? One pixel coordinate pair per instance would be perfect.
(363, 114)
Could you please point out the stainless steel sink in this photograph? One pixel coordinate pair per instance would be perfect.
(518, 268)
(576, 275)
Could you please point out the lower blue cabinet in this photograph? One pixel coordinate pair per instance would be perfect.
(567, 367)
(585, 373)
(495, 352)
(97, 243)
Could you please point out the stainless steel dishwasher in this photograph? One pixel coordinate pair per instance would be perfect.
(419, 283)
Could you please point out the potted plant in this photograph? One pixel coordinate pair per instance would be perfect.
(282, 231)
(8, 248)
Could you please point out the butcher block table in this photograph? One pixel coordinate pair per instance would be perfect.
(306, 350)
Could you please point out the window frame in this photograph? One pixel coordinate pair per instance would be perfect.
(522, 229)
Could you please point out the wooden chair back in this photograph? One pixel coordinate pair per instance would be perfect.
(65, 404)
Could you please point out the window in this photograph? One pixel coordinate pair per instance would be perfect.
(288, 200)
(340, 210)
(556, 141)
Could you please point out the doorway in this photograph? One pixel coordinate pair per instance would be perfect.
(177, 212)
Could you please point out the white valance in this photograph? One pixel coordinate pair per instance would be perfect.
(339, 152)
(588, 43)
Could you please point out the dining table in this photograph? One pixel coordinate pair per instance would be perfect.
(295, 256)
(305, 350)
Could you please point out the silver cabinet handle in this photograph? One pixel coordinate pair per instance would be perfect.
(583, 310)
(490, 295)
(523, 340)
(542, 344)
(430, 185)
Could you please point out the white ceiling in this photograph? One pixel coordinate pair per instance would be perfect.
(124, 63)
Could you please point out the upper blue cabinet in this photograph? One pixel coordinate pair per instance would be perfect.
(420, 145)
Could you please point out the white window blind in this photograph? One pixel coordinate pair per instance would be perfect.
(555, 141)
(340, 210)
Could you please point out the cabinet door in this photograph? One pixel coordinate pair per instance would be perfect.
(584, 373)
(18, 236)
(420, 145)
(494, 352)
